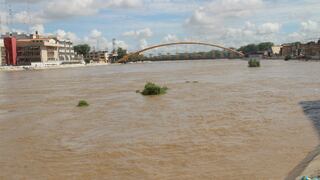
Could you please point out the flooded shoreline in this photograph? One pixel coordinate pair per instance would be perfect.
(236, 122)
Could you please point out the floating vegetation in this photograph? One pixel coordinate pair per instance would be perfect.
(83, 103)
(254, 63)
(192, 82)
(153, 89)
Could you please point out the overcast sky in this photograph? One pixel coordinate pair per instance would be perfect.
(139, 23)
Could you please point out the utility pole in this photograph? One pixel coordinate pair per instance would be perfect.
(114, 51)
(98, 48)
(28, 20)
(2, 7)
(8, 13)
(114, 45)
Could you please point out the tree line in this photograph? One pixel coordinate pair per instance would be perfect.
(214, 54)
(254, 48)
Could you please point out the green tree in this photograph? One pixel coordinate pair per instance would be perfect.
(250, 48)
(121, 52)
(226, 54)
(265, 46)
(82, 49)
(217, 54)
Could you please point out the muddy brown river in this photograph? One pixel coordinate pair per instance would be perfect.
(234, 122)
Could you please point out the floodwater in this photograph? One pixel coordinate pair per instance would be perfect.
(234, 122)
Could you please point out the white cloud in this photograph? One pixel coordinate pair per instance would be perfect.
(143, 44)
(61, 34)
(70, 8)
(310, 26)
(24, 1)
(39, 28)
(224, 21)
(46, 10)
(139, 34)
(95, 34)
(97, 41)
(269, 28)
(30, 18)
(125, 3)
(170, 38)
(4, 29)
(122, 44)
(309, 31)
(219, 11)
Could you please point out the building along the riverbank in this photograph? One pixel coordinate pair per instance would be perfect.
(37, 49)
(309, 50)
(2, 53)
(98, 57)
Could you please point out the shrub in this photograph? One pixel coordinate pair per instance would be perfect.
(83, 103)
(308, 58)
(153, 89)
(287, 58)
(254, 63)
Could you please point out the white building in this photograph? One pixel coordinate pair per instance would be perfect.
(98, 57)
(2, 53)
(65, 50)
(276, 50)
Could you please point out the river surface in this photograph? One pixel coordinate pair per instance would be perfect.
(233, 122)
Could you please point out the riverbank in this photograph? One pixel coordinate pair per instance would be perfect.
(30, 68)
(312, 169)
(44, 67)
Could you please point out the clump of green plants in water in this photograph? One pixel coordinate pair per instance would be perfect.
(287, 58)
(153, 89)
(83, 103)
(254, 63)
(195, 82)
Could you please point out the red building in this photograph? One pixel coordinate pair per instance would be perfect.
(10, 44)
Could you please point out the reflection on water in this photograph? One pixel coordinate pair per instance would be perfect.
(236, 122)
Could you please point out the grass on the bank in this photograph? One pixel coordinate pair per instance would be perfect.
(254, 63)
(83, 103)
(151, 89)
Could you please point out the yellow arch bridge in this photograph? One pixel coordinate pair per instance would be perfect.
(126, 58)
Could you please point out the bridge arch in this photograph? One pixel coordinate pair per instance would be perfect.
(125, 59)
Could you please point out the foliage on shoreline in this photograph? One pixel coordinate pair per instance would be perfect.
(83, 103)
(82, 49)
(253, 48)
(287, 58)
(254, 63)
(214, 54)
(151, 89)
